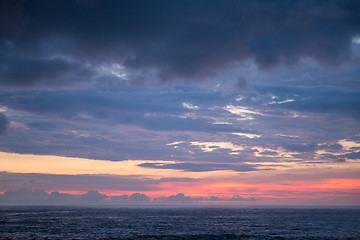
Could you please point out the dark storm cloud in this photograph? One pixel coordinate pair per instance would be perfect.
(32, 71)
(187, 39)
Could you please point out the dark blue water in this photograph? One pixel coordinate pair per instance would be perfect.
(177, 223)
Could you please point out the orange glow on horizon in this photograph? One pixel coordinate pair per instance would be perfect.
(290, 190)
(315, 182)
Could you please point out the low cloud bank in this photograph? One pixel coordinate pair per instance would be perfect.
(93, 197)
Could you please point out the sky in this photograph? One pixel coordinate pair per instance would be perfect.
(180, 102)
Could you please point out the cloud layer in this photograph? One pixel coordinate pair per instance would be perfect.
(92, 197)
(182, 39)
(164, 97)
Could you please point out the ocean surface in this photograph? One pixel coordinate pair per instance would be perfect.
(178, 223)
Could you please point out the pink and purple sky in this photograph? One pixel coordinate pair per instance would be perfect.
(180, 102)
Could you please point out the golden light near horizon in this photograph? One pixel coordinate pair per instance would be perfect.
(270, 177)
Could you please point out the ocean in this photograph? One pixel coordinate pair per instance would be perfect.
(178, 223)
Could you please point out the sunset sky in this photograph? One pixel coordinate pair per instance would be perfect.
(180, 102)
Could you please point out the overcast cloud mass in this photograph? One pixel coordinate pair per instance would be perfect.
(221, 101)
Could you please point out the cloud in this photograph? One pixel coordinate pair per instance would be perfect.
(28, 197)
(139, 197)
(239, 199)
(334, 100)
(200, 167)
(146, 109)
(83, 181)
(24, 196)
(29, 72)
(101, 104)
(93, 195)
(183, 39)
(100, 124)
(123, 199)
(229, 199)
(180, 198)
(298, 147)
(62, 198)
(189, 106)
(4, 122)
(114, 46)
(353, 155)
(179, 180)
(241, 84)
(135, 198)
(331, 147)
